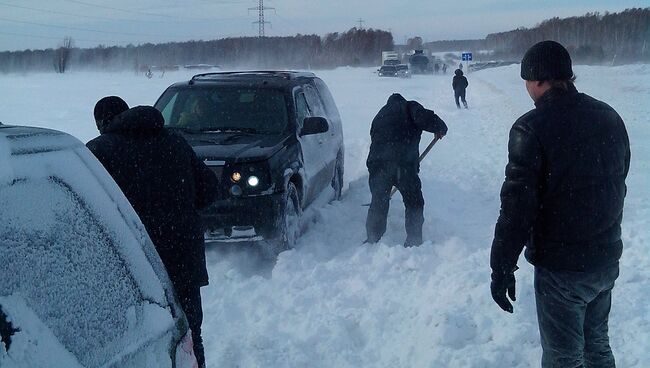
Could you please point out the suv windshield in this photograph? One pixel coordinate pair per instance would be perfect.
(222, 109)
(388, 69)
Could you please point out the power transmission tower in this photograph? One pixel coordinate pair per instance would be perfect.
(261, 22)
(360, 21)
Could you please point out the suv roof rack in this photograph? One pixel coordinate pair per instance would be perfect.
(286, 74)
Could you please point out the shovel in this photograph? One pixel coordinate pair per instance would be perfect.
(422, 156)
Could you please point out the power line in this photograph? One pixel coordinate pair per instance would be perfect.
(169, 17)
(79, 29)
(261, 22)
(139, 21)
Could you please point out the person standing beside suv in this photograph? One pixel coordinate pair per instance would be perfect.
(167, 185)
(563, 199)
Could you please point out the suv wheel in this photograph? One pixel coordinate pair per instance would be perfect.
(287, 224)
(337, 180)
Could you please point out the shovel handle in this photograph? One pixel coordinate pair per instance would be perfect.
(422, 156)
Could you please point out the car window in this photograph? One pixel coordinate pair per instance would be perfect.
(258, 110)
(326, 97)
(302, 109)
(314, 102)
(65, 265)
(167, 111)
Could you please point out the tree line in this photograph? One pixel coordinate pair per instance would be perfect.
(359, 47)
(592, 38)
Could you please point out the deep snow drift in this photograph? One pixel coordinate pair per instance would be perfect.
(332, 302)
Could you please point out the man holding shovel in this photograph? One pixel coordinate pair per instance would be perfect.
(393, 162)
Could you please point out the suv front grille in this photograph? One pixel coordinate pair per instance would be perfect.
(217, 170)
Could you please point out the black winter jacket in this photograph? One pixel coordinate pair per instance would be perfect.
(396, 130)
(166, 184)
(459, 83)
(565, 185)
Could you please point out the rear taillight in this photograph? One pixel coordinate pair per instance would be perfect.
(185, 352)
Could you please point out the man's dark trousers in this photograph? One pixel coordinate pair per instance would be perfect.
(460, 94)
(190, 300)
(382, 179)
(573, 311)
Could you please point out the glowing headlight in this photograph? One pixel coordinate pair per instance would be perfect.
(235, 177)
(253, 181)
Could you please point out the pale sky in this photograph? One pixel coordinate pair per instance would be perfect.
(39, 24)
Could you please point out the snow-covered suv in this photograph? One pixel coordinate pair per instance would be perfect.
(273, 138)
(81, 284)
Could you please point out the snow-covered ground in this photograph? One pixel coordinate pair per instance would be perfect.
(332, 302)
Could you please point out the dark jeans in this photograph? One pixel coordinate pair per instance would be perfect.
(190, 300)
(460, 94)
(573, 311)
(381, 180)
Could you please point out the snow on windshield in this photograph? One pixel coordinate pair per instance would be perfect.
(64, 265)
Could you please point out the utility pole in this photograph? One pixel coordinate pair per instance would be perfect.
(360, 21)
(261, 22)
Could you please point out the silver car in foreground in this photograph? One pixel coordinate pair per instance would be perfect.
(81, 284)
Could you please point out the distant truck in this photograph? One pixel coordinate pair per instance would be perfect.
(390, 58)
(420, 63)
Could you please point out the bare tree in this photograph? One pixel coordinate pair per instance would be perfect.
(62, 55)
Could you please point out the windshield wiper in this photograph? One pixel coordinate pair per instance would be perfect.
(183, 129)
(230, 129)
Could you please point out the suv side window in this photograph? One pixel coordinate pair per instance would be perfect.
(330, 105)
(314, 101)
(302, 109)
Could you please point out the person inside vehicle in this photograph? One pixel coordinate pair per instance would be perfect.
(198, 116)
(393, 161)
(167, 185)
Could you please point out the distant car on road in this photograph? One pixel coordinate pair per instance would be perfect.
(82, 284)
(273, 138)
(388, 71)
(403, 71)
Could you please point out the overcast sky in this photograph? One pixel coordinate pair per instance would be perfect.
(38, 24)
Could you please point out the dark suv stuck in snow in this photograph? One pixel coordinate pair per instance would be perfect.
(273, 138)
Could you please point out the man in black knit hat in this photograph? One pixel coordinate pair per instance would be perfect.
(563, 200)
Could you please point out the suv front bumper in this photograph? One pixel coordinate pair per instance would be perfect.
(260, 212)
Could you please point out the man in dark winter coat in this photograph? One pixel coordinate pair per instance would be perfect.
(166, 184)
(393, 161)
(459, 84)
(563, 199)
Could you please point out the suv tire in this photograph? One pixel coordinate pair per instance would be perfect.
(287, 224)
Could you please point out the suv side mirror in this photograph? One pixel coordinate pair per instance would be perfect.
(314, 125)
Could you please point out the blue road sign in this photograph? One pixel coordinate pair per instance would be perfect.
(466, 56)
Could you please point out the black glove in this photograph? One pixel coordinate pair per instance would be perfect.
(504, 282)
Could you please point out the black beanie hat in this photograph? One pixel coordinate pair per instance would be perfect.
(108, 107)
(546, 60)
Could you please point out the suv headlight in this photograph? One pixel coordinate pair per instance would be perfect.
(253, 181)
(249, 179)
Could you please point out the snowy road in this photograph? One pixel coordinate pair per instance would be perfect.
(334, 303)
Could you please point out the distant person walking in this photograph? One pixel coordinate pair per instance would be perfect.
(166, 184)
(459, 84)
(444, 68)
(393, 162)
(563, 200)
